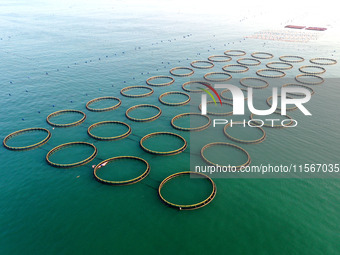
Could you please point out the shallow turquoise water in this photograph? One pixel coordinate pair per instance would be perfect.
(57, 58)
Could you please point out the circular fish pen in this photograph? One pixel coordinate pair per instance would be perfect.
(264, 82)
(304, 69)
(161, 84)
(109, 123)
(291, 59)
(298, 85)
(73, 164)
(186, 84)
(104, 109)
(219, 58)
(323, 61)
(248, 61)
(196, 63)
(308, 79)
(217, 113)
(188, 206)
(101, 166)
(126, 89)
(207, 76)
(190, 128)
(268, 101)
(143, 106)
(259, 140)
(237, 68)
(223, 92)
(189, 73)
(63, 112)
(262, 55)
(279, 65)
(273, 126)
(235, 53)
(186, 101)
(209, 145)
(262, 73)
(25, 131)
(180, 148)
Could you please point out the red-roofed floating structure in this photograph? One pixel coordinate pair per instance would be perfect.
(295, 27)
(316, 28)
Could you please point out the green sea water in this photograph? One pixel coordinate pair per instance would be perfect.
(56, 57)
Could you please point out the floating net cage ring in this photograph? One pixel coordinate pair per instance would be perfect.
(191, 71)
(256, 62)
(174, 93)
(229, 98)
(124, 90)
(88, 105)
(302, 69)
(35, 145)
(268, 101)
(245, 69)
(207, 75)
(194, 90)
(287, 65)
(193, 64)
(242, 82)
(274, 126)
(262, 71)
(126, 182)
(148, 81)
(143, 106)
(188, 206)
(173, 152)
(317, 62)
(259, 53)
(48, 119)
(235, 53)
(200, 128)
(219, 58)
(299, 78)
(298, 85)
(217, 113)
(261, 139)
(102, 123)
(79, 163)
(291, 59)
(229, 145)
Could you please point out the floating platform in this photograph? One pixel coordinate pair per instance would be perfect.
(316, 28)
(295, 27)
